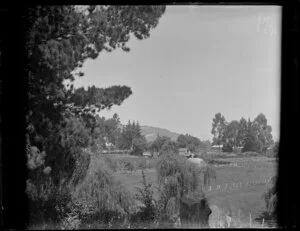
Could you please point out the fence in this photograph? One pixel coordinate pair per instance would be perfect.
(115, 151)
(235, 185)
(240, 165)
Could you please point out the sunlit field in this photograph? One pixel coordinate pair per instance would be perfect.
(238, 188)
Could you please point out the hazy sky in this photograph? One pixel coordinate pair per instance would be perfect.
(198, 61)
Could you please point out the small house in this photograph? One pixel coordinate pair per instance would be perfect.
(217, 146)
(109, 146)
(183, 151)
(147, 154)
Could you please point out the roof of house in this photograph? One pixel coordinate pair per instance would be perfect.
(109, 144)
(183, 149)
(217, 146)
(146, 154)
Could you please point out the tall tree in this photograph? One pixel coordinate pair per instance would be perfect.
(159, 142)
(218, 128)
(112, 129)
(169, 147)
(132, 138)
(250, 143)
(263, 132)
(230, 136)
(242, 132)
(61, 119)
(187, 141)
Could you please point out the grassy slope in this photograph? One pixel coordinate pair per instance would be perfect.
(151, 133)
(241, 201)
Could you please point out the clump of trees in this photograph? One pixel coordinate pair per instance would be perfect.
(253, 135)
(101, 197)
(178, 177)
(61, 120)
(163, 144)
(132, 138)
(192, 143)
(158, 143)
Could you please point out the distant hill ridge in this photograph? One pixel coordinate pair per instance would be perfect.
(151, 133)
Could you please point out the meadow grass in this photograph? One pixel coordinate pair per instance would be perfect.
(241, 201)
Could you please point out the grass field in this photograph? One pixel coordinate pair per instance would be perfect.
(242, 195)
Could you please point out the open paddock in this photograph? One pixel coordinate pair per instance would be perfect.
(237, 189)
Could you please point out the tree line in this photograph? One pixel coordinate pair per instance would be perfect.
(163, 144)
(250, 135)
(130, 137)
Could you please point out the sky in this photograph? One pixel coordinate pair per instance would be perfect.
(198, 61)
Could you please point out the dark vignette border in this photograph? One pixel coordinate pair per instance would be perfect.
(13, 99)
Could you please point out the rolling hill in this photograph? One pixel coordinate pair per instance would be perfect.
(152, 132)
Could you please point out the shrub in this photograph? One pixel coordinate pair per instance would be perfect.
(112, 164)
(141, 163)
(144, 163)
(129, 166)
(145, 195)
(227, 148)
(72, 219)
(251, 154)
(273, 151)
(169, 147)
(100, 196)
(198, 155)
(46, 200)
(136, 152)
(271, 198)
(81, 167)
(180, 175)
(217, 162)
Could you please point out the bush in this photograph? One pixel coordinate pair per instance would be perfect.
(217, 162)
(251, 154)
(271, 198)
(274, 150)
(227, 148)
(169, 147)
(129, 166)
(144, 163)
(206, 157)
(46, 200)
(181, 175)
(145, 195)
(112, 164)
(141, 163)
(136, 152)
(81, 167)
(101, 197)
(49, 204)
(198, 155)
